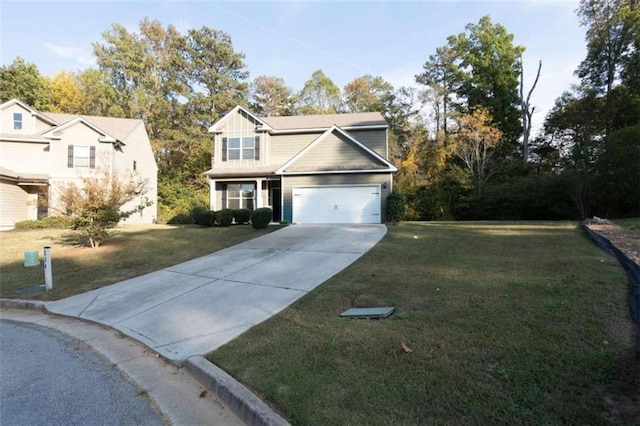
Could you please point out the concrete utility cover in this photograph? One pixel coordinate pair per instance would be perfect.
(368, 312)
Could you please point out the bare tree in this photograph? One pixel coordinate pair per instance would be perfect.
(527, 110)
(475, 139)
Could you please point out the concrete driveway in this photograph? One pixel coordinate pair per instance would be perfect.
(195, 307)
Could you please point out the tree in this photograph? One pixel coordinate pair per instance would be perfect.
(367, 94)
(100, 98)
(320, 95)
(441, 76)
(270, 96)
(475, 141)
(527, 110)
(65, 94)
(23, 81)
(577, 126)
(489, 67)
(96, 205)
(612, 25)
(179, 85)
(216, 75)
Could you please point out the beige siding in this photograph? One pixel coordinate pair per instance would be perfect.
(334, 152)
(77, 135)
(42, 126)
(25, 157)
(15, 204)
(28, 121)
(373, 139)
(138, 148)
(288, 182)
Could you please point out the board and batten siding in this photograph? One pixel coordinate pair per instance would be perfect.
(239, 125)
(335, 152)
(289, 182)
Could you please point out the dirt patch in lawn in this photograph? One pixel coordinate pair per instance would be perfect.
(624, 239)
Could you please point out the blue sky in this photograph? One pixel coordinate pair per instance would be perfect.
(292, 39)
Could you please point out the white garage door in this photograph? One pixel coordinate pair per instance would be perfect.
(336, 204)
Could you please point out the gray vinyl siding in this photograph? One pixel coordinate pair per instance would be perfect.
(284, 147)
(288, 182)
(373, 139)
(334, 152)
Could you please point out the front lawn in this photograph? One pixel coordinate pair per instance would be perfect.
(503, 323)
(132, 250)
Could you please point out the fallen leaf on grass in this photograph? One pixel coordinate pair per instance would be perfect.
(406, 348)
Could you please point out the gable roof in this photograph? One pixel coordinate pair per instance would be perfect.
(316, 122)
(387, 166)
(28, 108)
(217, 126)
(116, 128)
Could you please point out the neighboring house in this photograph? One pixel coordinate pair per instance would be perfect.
(41, 152)
(308, 169)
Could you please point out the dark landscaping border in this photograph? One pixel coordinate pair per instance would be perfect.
(633, 273)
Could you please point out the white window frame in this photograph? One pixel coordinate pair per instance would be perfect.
(240, 196)
(80, 160)
(244, 149)
(17, 121)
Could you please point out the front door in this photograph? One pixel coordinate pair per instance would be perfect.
(275, 199)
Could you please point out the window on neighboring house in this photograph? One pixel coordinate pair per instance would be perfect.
(241, 196)
(244, 148)
(17, 121)
(81, 156)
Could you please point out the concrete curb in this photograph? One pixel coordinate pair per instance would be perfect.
(35, 305)
(244, 403)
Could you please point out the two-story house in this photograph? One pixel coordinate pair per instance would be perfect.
(308, 169)
(41, 152)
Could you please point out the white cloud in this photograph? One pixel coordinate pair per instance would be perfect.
(80, 58)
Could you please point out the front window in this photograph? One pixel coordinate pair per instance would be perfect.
(81, 156)
(241, 196)
(242, 148)
(17, 121)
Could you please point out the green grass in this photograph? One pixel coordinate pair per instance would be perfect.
(132, 250)
(508, 323)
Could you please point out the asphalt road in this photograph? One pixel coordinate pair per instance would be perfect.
(47, 377)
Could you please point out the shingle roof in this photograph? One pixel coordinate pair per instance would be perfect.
(119, 128)
(325, 121)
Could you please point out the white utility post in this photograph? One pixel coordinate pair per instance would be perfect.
(48, 275)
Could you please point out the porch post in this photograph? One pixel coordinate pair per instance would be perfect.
(259, 201)
(212, 194)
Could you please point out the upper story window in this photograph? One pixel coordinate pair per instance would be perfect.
(241, 148)
(81, 156)
(17, 121)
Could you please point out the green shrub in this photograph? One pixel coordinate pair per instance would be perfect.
(51, 222)
(207, 218)
(260, 218)
(181, 219)
(242, 216)
(396, 206)
(198, 214)
(224, 217)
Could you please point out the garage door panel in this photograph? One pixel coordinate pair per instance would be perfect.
(345, 204)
